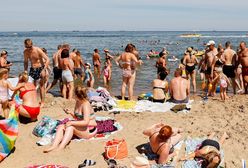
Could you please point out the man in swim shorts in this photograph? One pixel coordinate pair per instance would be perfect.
(39, 62)
(243, 60)
(230, 60)
(210, 54)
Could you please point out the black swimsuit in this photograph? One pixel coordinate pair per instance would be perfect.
(190, 69)
(171, 149)
(159, 100)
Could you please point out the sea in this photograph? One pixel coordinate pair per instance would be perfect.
(115, 41)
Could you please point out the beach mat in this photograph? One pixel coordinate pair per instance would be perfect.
(8, 133)
(147, 106)
(191, 144)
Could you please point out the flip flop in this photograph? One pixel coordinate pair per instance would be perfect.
(87, 162)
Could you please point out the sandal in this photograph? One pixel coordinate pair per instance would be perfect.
(87, 163)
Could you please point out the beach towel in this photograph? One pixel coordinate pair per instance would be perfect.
(192, 145)
(147, 106)
(105, 135)
(47, 166)
(150, 155)
(8, 133)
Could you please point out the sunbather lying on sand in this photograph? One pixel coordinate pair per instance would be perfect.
(209, 151)
(162, 140)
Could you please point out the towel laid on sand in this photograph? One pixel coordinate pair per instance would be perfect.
(8, 133)
(145, 105)
(105, 135)
(192, 145)
(150, 155)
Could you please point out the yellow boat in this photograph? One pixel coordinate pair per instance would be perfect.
(190, 35)
(199, 53)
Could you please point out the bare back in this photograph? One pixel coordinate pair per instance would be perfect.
(190, 60)
(78, 62)
(126, 58)
(179, 88)
(96, 59)
(229, 56)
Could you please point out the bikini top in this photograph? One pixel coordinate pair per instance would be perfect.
(81, 116)
(22, 93)
(160, 146)
(156, 87)
(219, 62)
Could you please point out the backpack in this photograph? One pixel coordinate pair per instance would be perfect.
(46, 126)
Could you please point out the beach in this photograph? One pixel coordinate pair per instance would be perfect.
(214, 115)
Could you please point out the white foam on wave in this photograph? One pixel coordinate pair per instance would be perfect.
(231, 36)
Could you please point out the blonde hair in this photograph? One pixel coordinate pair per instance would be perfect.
(81, 93)
(23, 77)
(3, 71)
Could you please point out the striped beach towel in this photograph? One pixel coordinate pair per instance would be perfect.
(8, 133)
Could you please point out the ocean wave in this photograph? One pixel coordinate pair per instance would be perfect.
(229, 36)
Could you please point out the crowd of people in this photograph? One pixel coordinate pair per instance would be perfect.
(216, 66)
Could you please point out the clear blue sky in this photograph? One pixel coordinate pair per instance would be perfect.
(26, 15)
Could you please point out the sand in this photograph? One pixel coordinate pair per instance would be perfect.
(215, 115)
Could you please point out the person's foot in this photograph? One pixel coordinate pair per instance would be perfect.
(49, 149)
(225, 135)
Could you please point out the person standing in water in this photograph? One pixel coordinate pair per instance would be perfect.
(96, 62)
(190, 61)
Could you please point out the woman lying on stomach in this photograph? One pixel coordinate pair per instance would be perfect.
(84, 125)
(162, 140)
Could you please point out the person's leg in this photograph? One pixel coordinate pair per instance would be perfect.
(104, 80)
(193, 76)
(241, 81)
(71, 88)
(222, 93)
(223, 138)
(5, 106)
(58, 138)
(123, 87)
(131, 83)
(234, 85)
(98, 71)
(64, 89)
(51, 85)
(67, 137)
(42, 88)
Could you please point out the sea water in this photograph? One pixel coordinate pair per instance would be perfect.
(115, 41)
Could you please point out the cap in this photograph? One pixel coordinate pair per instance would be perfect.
(139, 162)
(211, 42)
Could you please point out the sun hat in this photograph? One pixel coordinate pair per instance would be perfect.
(106, 50)
(88, 64)
(4, 52)
(211, 42)
(139, 162)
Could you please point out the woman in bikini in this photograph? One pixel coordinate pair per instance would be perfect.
(162, 140)
(159, 88)
(209, 151)
(190, 61)
(124, 61)
(30, 107)
(83, 125)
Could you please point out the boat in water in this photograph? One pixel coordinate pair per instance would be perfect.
(190, 35)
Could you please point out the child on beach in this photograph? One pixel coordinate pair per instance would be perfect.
(224, 82)
(106, 73)
(88, 77)
(4, 94)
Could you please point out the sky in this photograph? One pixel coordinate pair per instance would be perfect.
(124, 15)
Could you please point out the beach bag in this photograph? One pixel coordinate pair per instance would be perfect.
(116, 149)
(105, 126)
(46, 126)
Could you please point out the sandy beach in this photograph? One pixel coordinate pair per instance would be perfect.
(213, 116)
